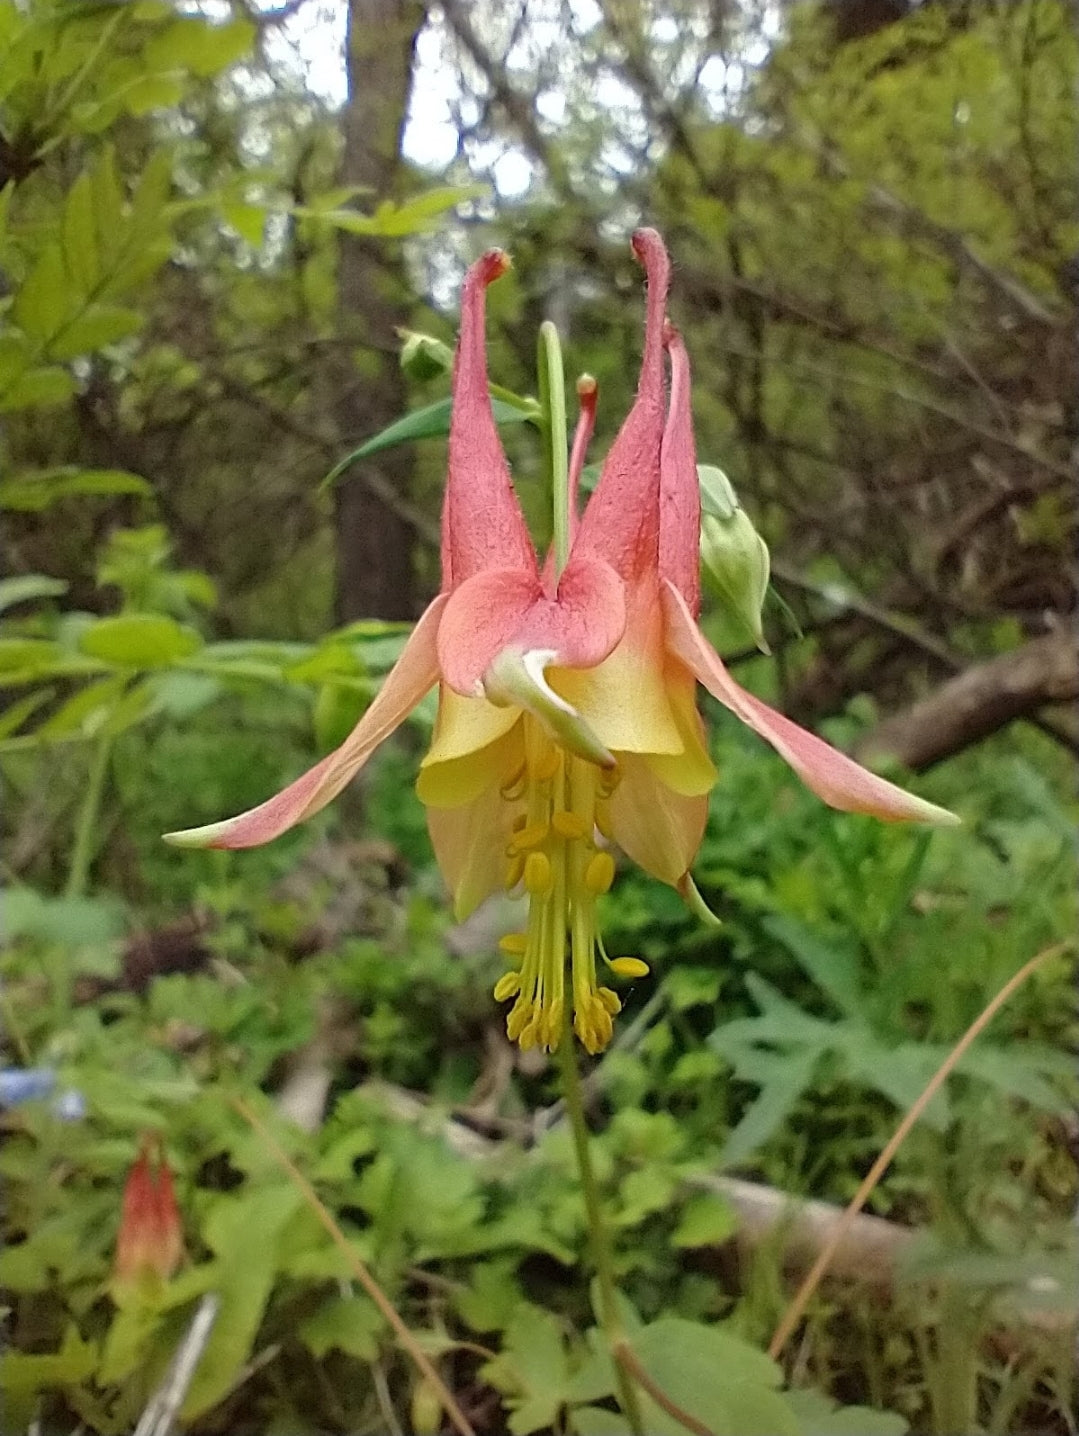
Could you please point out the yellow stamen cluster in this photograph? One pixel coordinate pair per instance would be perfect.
(554, 854)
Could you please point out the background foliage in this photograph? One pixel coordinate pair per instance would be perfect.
(205, 250)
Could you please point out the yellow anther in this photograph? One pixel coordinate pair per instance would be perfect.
(514, 944)
(599, 874)
(515, 870)
(628, 967)
(519, 1018)
(601, 1019)
(610, 1000)
(552, 1025)
(538, 876)
(570, 826)
(546, 766)
(529, 837)
(508, 984)
(514, 786)
(603, 821)
(530, 1035)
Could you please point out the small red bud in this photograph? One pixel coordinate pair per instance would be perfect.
(150, 1240)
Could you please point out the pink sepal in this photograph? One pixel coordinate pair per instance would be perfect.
(680, 493)
(412, 675)
(504, 608)
(833, 776)
(621, 522)
(482, 523)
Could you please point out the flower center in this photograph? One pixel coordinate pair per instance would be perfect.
(555, 855)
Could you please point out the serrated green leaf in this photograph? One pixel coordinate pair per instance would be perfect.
(350, 1324)
(139, 640)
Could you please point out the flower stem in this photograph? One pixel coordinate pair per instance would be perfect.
(552, 396)
(602, 1258)
(83, 849)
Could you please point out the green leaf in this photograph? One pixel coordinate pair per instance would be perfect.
(99, 326)
(248, 220)
(21, 1374)
(40, 387)
(80, 237)
(819, 1415)
(244, 1231)
(195, 45)
(350, 1324)
(706, 1220)
(67, 921)
(16, 714)
(531, 1370)
(29, 586)
(832, 966)
(84, 711)
(44, 299)
(140, 640)
(24, 658)
(430, 422)
(792, 1075)
(720, 1379)
(33, 492)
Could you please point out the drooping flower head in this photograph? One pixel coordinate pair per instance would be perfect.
(567, 718)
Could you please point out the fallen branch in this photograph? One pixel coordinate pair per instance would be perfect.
(979, 701)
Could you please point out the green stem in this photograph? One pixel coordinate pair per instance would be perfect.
(83, 851)
(602, 1258)
(552, 396)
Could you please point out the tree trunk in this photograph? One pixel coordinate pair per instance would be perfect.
(373, 543)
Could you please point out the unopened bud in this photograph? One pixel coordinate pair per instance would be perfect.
(150, 1244)
(423, 356)
(734, 557)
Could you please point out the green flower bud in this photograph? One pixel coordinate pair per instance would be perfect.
(423, 356)
(734, 557)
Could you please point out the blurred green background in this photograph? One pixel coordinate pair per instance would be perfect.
(215, 220)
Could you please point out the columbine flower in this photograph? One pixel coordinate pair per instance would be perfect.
(150, 1244)
(566, 714)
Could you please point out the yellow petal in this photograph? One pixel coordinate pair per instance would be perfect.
(692, 771)
(470, 845)
(659, 829)
(475, 744)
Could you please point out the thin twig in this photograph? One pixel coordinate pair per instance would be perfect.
(359, 1269)
(164, 1406)
(795, 1310)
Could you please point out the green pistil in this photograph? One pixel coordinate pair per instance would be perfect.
(552, 395)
